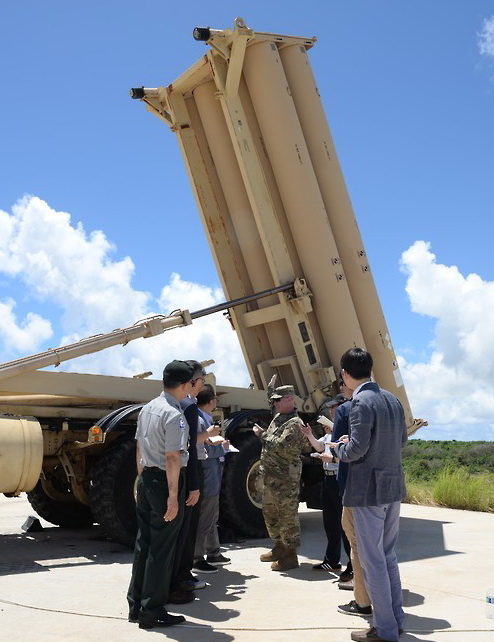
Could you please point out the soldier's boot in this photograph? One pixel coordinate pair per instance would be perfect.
(274, 554)
(287, 561)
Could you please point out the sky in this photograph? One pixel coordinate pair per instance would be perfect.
(98, 224)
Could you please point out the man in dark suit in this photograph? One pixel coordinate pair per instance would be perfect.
(374, 490)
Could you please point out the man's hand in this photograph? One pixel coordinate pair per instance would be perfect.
(334, 444)
(214, 430)
(327, 457)
(171, 509)
(193, 497)
(257, 429)
(344, 438)
(305, 429)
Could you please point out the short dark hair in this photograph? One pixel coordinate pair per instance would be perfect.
(357, 362)
(198, 369)
(206, 395)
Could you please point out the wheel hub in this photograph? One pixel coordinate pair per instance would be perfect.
(254, 484)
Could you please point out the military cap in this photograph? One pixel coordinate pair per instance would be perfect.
(178, 371)
(282, 391)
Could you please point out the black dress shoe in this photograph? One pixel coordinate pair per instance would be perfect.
(162, 621)
(133, 618)
(179, 596)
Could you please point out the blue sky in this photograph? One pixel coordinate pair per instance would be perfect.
(98, 226)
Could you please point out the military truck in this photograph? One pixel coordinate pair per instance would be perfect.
(271, 195)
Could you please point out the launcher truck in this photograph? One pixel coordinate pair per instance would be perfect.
(271, 195)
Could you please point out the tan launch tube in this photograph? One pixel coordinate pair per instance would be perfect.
(240, 210)
(340, 213)
(222, 239)
(302, 199)
(278, 208)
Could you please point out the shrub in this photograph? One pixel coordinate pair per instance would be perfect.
(455, 487)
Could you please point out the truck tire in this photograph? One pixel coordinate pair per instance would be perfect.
(240, 500)
(67, 514)
(112, 491)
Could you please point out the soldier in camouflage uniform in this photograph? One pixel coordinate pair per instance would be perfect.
(282, 445)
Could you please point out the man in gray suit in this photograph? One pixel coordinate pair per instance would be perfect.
(374, 489)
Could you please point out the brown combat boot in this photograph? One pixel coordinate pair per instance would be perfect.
(287, 561)
(274, 554)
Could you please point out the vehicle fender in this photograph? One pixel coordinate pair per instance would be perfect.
(243, 419)
(113, 421)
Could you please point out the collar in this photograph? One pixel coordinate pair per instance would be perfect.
(359, 388)
(171, 399)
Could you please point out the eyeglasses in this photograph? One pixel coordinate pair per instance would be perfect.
(192, 381)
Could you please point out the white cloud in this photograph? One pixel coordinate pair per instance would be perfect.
(454, 387)
(25, 335)
(60, 263)
(57, 262)
(207, 338)
(486, 37)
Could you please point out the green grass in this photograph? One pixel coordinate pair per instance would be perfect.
(456, 474)
(457, 488)
(419, 493)
(453, 488)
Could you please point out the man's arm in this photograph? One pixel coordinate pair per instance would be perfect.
(212, 431)
(361, 420)
(173, 464)
(404, 434)
(192, 475)
(138, 459)
(340, 427)
(306, 430)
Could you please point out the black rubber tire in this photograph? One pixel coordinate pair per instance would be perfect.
(237, 510)
(111, 491)
(68, 514)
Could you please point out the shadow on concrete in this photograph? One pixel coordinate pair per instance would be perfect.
(417, 624)
(424, 625)
(227, 585)
(421, 539)
(56, 547)
(188, 632)
(28, 552)
(412, 599)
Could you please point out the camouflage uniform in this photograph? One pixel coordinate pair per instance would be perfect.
(282, 444)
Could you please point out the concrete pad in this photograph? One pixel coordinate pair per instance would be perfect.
(61, 584)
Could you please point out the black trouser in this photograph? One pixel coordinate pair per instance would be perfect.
(155, 545)
(331, 511)
(184, 553)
